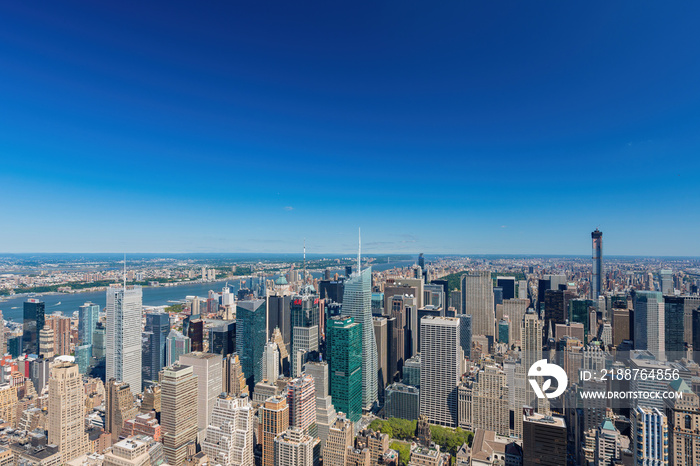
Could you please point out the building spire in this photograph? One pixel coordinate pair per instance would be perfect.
(359, 249)
(304, 260)
(124, 272)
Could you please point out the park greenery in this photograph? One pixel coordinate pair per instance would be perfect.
(400, 429)
(175, 308)
(403, 449)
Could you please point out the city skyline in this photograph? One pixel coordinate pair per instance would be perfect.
(515, 130)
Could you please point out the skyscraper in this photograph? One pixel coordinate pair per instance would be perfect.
(325, 411)
(477, 301)
(34, 320)
(178, 412)
(357, 303)
(674, 331)
(301, 399)
(597, 275)
(544, 440)
(251, 333)
(441, 368)
(683, 416)
(339, 439)
(649, 323)
(465, 334)
(649, 436)
(271, 362)
(229, 436)
(88, 315)
(207, 368)
(295, 448)
(344, 352)
(154, 354)
(232, 379)
(531, 332)
(666, 281)
(119, 407)
(61, 332)
(177, 345)
(67, 411)
(274, 419)
(123, 335)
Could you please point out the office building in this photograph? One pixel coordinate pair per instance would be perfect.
(507, 284)
(402, 309)
(46, 343)
(666, 281)
(381, 338)
(411, 371)
(154, 355)
(88, 315)
(207, 368)
(649, 323)
(357, 303)
(127, 452)
(66, 423)
(465, 334)
(490, 397)
(649, 437)
(195, 330)
(33, 322)
(177, 344)
(531, 331)
(503, 331)
(344, 353)
(295, 448)
(222, 339)
(233, 379)
(340, 437)
(402, 401)
(515, 309)
(304, 341)
(301, 399)
(61, 334)
(597, 274)
(674, 327)
(441, 369)
(251, 333)
(178, 412)
(580, 310)
(544, 440)
(83, 354)
(123, 335)
(229, 435)
(683, 416)
(325, 411)
(274, 419)
(119, 407)
(478, 301)
(271, 362)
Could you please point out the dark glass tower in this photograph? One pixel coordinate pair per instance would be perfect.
(222, 339)
(674, 315)
(345, 365)
(34, 319)
(251, 336)
(597, 277)
(155, 335)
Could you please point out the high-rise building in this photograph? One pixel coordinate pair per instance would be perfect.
(381, 338)
(683, 415)
(301, 399)
(401, 308)
(66, 424)
(649, 436)
(195, 331)
(304, 342)
(441, 368)
(597, 275)
(465, 334)
(83, 354)
(344, 353)
(251, 333)
(490, 396)
(279, 316)
(233, 379)
(402, 401)
(46, 342)
(177, 344)
(34, 320)
(325, 411)
(357, 303)
(271, 362)
(531, 330)
(229, 435)
(154, 354)
(411, 370)
(340, 437)
(88, 315)
(123, 335)
(674, 331)
(179, 412)
(274, 419)
(207, 369)
(61, 334)
(477, 301)
(222, 339)
(649, 323)
(120, 407)
(295, 448)
(507, 284)
(515, 309)
(544, 440)
(666, 281)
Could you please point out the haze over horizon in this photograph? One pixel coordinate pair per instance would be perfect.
(462, 127)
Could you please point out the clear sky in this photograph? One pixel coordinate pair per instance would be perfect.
(442, 127)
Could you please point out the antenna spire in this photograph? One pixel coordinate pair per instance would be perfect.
(359, 249)
(125, 272)
(305, 260)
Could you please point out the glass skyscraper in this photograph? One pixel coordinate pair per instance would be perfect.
(88, 315)
(123, 335)
(251, 336)
(33, 323)
(155, 336)
(344, 354)
(357, 303)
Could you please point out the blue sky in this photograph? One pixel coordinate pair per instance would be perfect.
(462, 127)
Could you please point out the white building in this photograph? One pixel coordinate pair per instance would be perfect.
(229, 436)
(123, 335)
(294, 448)
(271, 362)
(207, 368)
